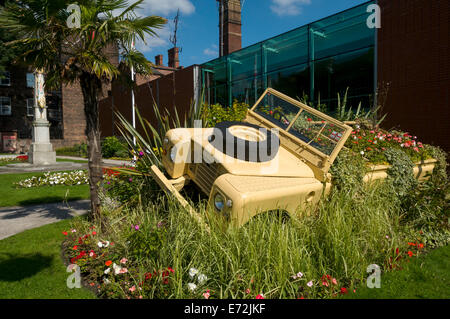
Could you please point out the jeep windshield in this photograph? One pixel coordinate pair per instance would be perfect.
(312, 127)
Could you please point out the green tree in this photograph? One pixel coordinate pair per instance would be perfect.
(68, 54)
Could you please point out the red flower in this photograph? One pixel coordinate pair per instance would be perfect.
(420, 245)
(108, 263)
(259, 296)
(397, 251)
(410, 253)
(64, 233)
(344, 290)
(94, 233)
(411, 244)
(309, 119)
(75, 247)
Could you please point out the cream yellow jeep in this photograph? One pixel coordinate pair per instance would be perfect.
(276, 159)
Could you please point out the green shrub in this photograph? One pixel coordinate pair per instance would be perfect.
(216, 113)
(145, 242)
(78, 150)
(113, 147)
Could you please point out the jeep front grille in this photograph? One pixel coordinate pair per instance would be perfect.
(205, 176)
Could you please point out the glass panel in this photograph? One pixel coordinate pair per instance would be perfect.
(217, 70)
(287, 49)
(245, 63)
(5, 105)
(352, 70)
(317, 132)
(219, 95)
(276, 110)
(247, 91)
(30, 107)
(341, 33)
(292, 82)
(30, 80)
(5, 79)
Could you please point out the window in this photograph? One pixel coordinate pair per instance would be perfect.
(5, 105)
(30, 107)
(30, 80)
(5, 78)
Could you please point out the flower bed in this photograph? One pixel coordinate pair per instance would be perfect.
(373, 143)
(12, 160)
(60, 178)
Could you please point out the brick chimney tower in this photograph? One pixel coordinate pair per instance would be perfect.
(230, 35)
(159, 60)
(174, 59)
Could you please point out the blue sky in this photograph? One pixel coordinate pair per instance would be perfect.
(198, 32)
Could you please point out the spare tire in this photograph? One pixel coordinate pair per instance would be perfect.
(245, 141)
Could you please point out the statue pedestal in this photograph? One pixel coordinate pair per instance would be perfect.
(41, 150)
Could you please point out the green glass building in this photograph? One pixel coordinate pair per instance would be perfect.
(320, 60)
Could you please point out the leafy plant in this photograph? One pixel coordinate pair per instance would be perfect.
(113, 147)
(78, 150)
(216, 113)
(400, 172)
(146, 242)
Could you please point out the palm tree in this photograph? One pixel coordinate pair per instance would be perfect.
(72, 55)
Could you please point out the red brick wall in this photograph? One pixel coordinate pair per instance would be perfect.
(145, 94)
(413, 55)
(74, 120)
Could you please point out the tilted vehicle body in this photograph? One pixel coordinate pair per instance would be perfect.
(277, 158)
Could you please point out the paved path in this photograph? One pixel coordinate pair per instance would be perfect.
(14, 220)
(105, 160)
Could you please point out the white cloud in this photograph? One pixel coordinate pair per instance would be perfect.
(166, 7)
(211, 51)
(288, 7)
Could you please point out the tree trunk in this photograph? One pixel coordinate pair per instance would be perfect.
(91, 87)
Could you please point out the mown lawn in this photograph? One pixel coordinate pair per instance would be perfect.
(425, 277)
(31, 266)
(12, 196)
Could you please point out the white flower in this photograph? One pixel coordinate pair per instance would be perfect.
(299, 275)
(106, 281)
(107, 271)
(192, 286)
(202, 278)
(117, 269)
(362, 153)
(193, 272)
(100, 244)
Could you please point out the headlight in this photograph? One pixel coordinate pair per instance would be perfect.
(219, 202)
(173, 154)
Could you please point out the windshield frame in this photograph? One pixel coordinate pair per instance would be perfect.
(325, 160)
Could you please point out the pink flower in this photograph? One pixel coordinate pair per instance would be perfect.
(132, 288)
(260, 296)
(206, 294)
(325, 283)
(247, 291)
(123, 260)
(334, 281)
(310, 284)
(123, 270)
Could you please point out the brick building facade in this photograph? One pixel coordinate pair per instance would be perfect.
(414, 58)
